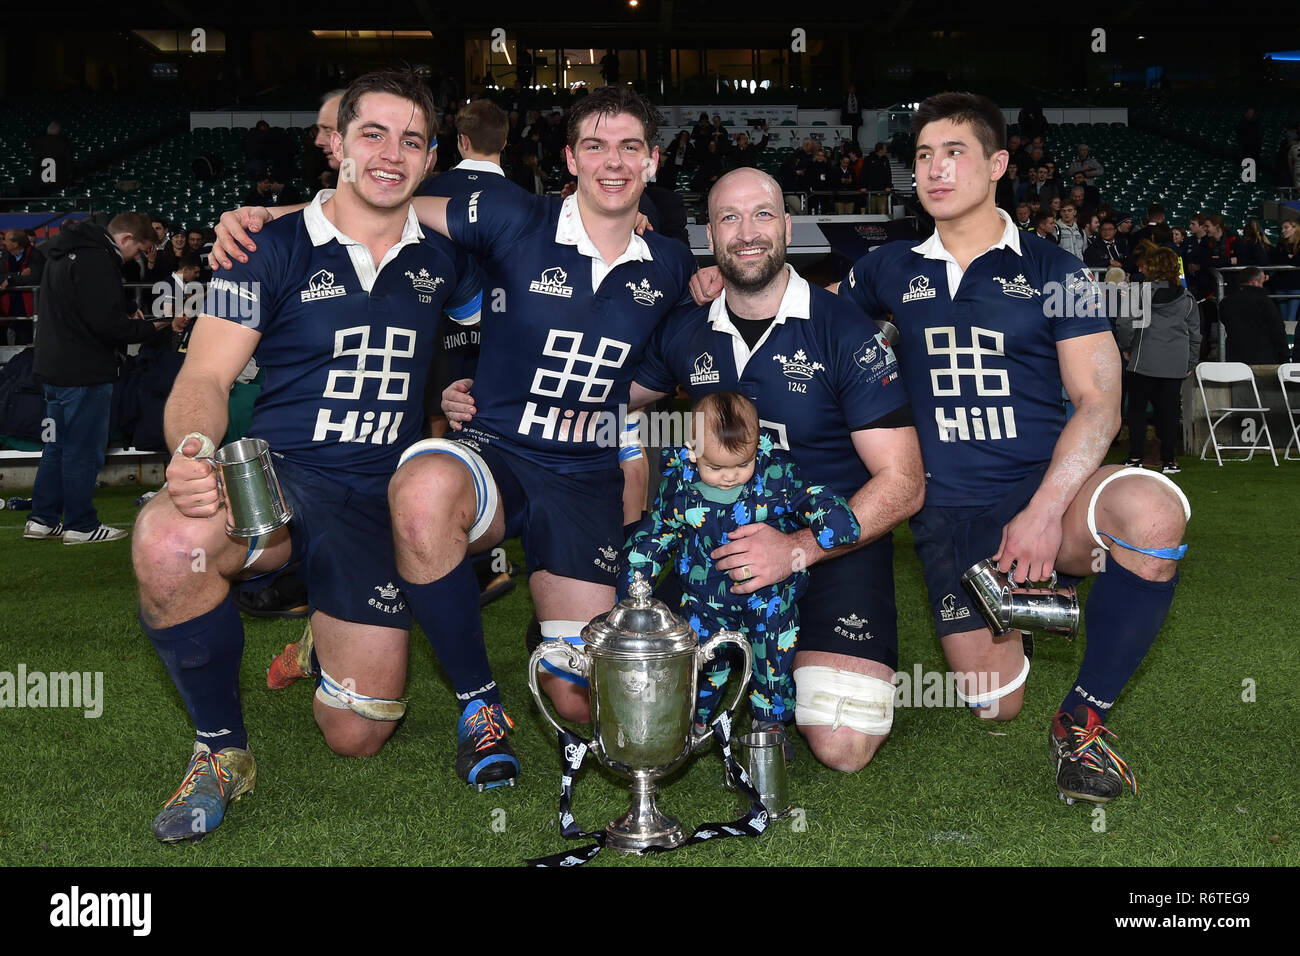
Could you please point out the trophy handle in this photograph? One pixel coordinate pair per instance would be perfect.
(577, 660)
(706, 653)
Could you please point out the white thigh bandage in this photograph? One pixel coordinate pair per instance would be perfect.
(1126, 473)
(485, 489)
(829, 696)
(978, 701)
(557, 663)
(333, 694)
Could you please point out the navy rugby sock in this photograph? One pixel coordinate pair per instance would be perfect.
(1123, 614)
(202, 658)
(448, 612)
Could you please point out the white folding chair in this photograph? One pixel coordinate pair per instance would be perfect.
(1290, 372)
(1232, 373)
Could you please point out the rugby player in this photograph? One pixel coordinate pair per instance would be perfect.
(337, 308)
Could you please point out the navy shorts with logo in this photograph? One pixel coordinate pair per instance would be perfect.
(848, 608)
(344, 541)
(570, 525)
(949, 541)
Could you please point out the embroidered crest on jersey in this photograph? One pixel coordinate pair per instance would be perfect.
(321, 286)
(919, 288)
(423, 282)
(702, 372)
(1017, 288)
(552, 282)
(643, 294)
(799, 367)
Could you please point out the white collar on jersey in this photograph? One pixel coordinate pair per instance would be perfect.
(933, 248)
(795, 304)
(569, 231)
(480, 166)
(321, 230)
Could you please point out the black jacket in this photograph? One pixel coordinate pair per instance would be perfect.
(83, 318)
(1256, 334)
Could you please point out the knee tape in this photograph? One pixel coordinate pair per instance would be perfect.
(829, 696)
(485, 489)
(333, 694)
(980, 701)
(1171, 553)
(566, 631)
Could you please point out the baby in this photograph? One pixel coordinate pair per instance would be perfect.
(728, 477)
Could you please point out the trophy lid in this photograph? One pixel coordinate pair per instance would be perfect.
(639, 625)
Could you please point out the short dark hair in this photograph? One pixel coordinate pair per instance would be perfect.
(406, 84)
(189, 260)
(485, 125)
(137, 224)
(1155, 209)
(978, 111)
(1162, 234)
(610, 101)
(1249, 275)
(1043, 216)
(730, 417)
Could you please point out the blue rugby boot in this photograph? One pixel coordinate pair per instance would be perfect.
(211, 782)
(484, 757)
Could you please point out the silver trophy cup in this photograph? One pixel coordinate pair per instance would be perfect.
(249, 488)
(1005, 608)
(642, 663)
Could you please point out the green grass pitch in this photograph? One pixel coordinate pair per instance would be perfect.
(1207, 724)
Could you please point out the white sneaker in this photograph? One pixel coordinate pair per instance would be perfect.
(102, 533)
(35, 531)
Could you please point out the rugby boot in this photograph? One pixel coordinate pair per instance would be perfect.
(292, 663)
(484, 757)
(1087, 768)
(211, 782)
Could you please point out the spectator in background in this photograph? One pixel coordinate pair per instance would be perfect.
(709, 168)
(1160, 349)
(1253, 248)
(851, 111)
(327, 122)
(1032, 123)
(609, 68)
(1253, 323)
(676, 172)
(1087, 164)
(846, 186)
(260, 193)
(1023, 219)
(1045, 225)
(21, 274)
(528, 174)
(82, 326)
(1069, 234)
(879, 180)
(1155, 216)
(820, 179)
(1250, 136)
(1082, 195)
(1006, 190)
(746, 153)
(1108, 250)
(52, 160)
(1287, 253)
(803, 160)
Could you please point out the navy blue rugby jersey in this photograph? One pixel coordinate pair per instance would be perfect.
(819, 373)
(557, 355)
(981, 367)
(458, 357)
(346, 352)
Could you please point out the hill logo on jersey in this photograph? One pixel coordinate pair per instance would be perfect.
(976, 421)
(423, 282)
(644, 295)
(347, 384)
(1017, 288)
(919, 288)
(552, 282)
(577, 367)
(702, 372)
(798, 367)
(321, 286)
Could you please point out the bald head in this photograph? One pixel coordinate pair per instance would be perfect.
(742, 179)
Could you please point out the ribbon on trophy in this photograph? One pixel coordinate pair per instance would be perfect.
(573, 751)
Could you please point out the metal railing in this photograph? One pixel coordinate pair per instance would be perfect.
(1221, 286)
